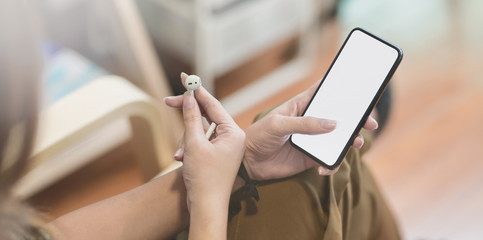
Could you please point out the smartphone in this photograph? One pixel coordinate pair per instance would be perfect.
(348, 92)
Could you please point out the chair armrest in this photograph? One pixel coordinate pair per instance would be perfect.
(76, 117)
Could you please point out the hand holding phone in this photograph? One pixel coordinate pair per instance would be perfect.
(348, 93)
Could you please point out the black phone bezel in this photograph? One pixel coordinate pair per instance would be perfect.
(368, 110)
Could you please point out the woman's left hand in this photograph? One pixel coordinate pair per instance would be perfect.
(210, 167)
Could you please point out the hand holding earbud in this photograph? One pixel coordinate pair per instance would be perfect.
(209, 166)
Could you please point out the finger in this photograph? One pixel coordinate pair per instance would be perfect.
(212, 107)
(283, 125)
(358, 141)
(179, 154)
(174, 101)
(192, 118)
(177, 102)
(371, 124)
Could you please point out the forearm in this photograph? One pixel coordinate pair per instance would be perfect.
(209, 214)
(155, 210)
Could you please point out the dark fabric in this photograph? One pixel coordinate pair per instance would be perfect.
(346, 205)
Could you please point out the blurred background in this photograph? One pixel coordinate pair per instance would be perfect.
(253, 54)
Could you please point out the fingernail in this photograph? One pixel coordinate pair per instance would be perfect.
(182, 75)
(377, 124)
(323, 171)
(329, 124)
(165, 98)
(188, 101)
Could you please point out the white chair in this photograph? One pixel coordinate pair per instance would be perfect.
(103, 114)
(111, 34)
(91, 118)
(217, 36)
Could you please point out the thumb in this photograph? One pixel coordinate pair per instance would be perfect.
(304, 125)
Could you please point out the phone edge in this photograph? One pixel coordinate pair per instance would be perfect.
(369, 108)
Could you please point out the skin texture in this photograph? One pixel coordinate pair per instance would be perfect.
(155, 210)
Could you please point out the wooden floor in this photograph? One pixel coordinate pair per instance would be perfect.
(427, 160)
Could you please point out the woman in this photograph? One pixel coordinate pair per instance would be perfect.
(196, 194)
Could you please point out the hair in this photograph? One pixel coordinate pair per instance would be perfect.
(20, 64)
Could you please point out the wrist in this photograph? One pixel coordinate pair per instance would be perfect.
(208, 197)
(208, 218)
(212, 205)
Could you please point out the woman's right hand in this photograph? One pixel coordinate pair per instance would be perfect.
(269, 154)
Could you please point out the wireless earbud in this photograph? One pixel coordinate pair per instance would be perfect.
(192, 83)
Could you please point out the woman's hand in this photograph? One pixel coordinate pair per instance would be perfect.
(210, 166)
(269, 155)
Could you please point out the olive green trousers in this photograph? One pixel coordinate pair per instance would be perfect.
(346, 205)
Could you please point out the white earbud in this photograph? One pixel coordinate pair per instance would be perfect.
(192, 82)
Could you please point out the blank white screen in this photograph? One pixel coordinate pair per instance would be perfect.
(346, 94)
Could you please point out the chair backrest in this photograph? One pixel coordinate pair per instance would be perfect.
(111, 34)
